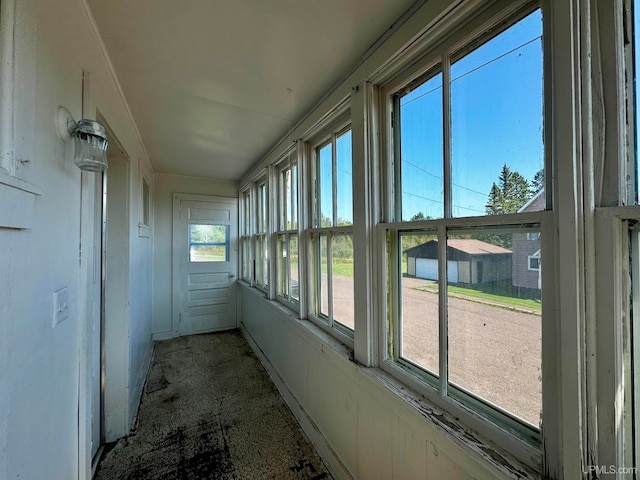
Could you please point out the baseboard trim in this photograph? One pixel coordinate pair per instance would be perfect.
(318, 440)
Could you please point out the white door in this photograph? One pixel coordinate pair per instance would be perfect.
(205, 244)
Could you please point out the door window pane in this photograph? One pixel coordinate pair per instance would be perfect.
(208, 243)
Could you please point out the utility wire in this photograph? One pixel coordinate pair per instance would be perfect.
(440, 178)
(489, 62)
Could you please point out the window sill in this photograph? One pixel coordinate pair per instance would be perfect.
(466, 438)
(18, 202)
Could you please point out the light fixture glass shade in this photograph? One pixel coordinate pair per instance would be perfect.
(90, 146)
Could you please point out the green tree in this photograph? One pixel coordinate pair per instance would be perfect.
(537, 183)
(508, 195)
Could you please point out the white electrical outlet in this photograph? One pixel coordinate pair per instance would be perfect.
(60, 305)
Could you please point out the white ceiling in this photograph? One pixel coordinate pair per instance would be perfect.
(207, 80)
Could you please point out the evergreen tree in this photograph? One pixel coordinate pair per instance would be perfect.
(510, 193)
(537, 183)
(494, 203)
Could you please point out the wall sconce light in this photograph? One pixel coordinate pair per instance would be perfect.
(89, 141)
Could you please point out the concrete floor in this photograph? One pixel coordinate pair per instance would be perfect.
(210, 411)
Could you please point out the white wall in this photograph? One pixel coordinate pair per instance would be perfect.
(40, 378)
(164, 186)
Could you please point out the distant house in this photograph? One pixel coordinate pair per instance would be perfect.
(469, 261)
(526, 250)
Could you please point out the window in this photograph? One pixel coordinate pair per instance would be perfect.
(208, 243)
(245, 237)
(288, 285)
(332, 301)
(464, 252)
(261, 237)
(146, 202)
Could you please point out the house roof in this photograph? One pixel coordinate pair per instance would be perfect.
(535, 203)
(465, 245)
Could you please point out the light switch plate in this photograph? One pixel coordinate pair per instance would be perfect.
(60, 305)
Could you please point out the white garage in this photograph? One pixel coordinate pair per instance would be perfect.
(470, 261)
(428, 268)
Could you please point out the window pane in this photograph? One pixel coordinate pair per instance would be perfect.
(247, 214)
(494, 318)
(325, 187)
(283, 283)
(262, 261)
(265, 263)
(208, 243)
(146, 202)
(285, 196)
(323, 295)
(294, 198)
(208, 253)
(246, 266)
(342, 279)
(421, 152)
(419, 325)
(259, 260)
(294, 288)
(344, 179)
(496, 122)
(289, 198)
(262, 208)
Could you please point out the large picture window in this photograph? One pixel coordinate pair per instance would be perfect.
(465, 251)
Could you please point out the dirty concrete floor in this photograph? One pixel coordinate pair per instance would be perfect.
(210, 411)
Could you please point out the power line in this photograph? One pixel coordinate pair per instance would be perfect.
(497, 58)
(440, 178)
(489, 62)
(404, 192)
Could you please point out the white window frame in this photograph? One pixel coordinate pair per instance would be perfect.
(520, 440)
(281, 231)
(535, 256)
(246, 252)
(326, 134)
(261, 235)
(18, 46)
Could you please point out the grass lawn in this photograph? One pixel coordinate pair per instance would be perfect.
(534, 305)
(342, 269)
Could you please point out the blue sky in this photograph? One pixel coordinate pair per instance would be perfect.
(496, 119)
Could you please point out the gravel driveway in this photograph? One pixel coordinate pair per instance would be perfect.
(493, 352)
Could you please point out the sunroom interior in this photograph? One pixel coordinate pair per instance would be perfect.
(422, 215)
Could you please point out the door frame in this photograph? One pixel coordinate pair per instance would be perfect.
(92, 303)
(176, 246)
